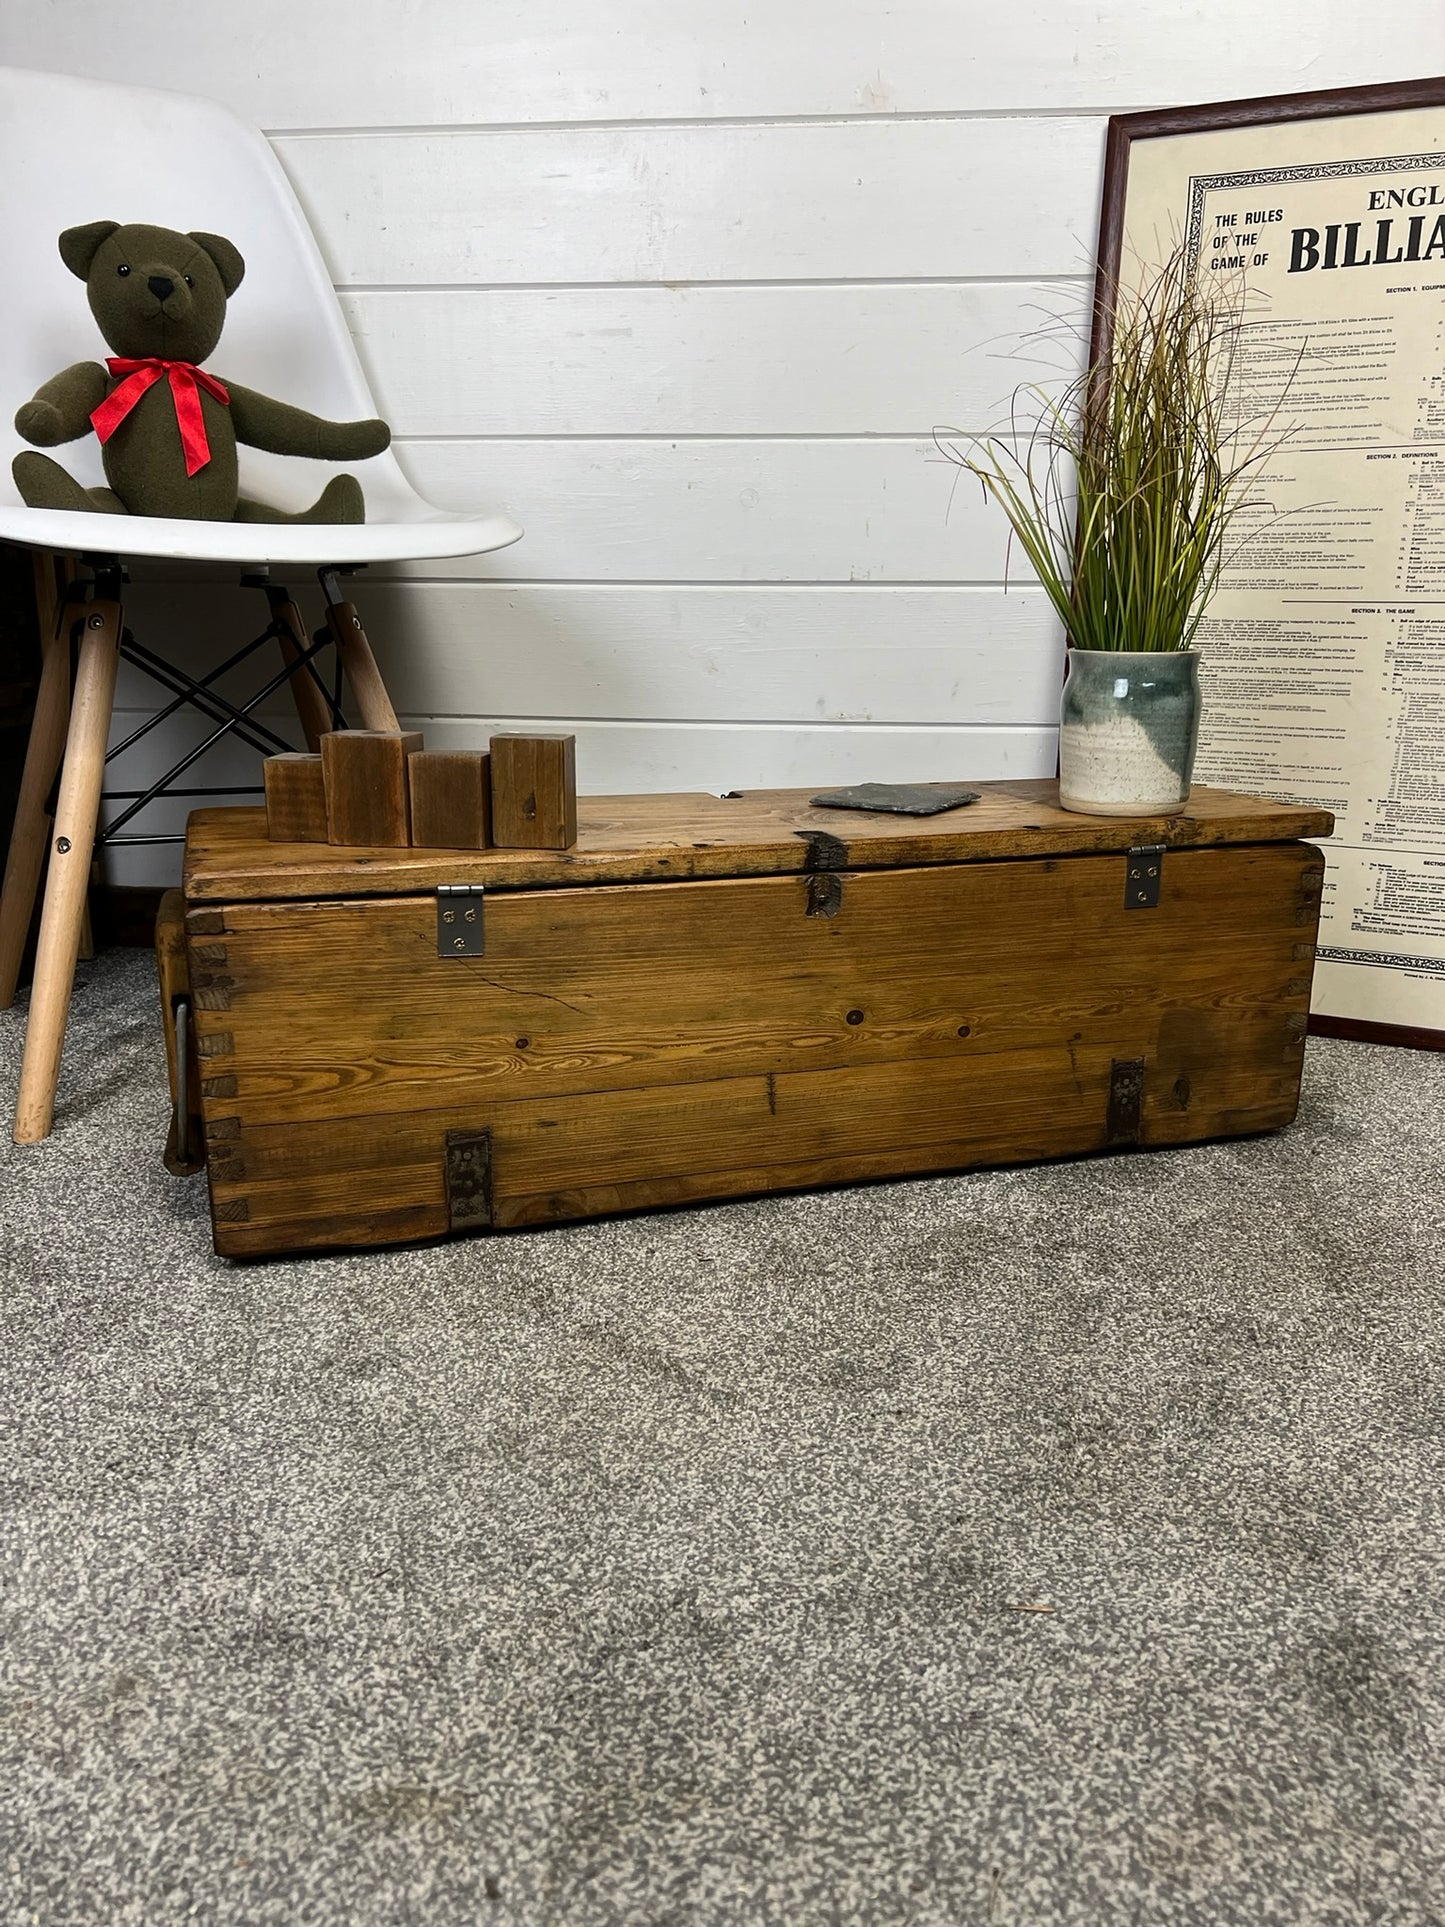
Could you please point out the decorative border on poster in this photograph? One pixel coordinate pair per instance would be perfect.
(1202, 184)
(1380, 960)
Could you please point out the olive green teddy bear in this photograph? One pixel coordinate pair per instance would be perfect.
(169, 428)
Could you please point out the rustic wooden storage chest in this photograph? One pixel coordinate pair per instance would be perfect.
(708, 997)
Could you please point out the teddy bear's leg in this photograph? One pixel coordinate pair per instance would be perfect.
(340, 501)
(44, 484)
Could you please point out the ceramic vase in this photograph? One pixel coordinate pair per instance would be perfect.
(1128, 726)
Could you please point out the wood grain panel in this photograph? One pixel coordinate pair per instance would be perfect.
(713, 361)
(660, 1146)
(354, 63)
(290, 1187)
(638, 839)
(841, 201)
(344, 1010)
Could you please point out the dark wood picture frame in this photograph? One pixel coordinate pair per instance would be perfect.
(1266, 110)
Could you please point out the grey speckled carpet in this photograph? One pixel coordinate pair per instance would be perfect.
(672, 1570)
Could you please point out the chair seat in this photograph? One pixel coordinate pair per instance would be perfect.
(429, 533)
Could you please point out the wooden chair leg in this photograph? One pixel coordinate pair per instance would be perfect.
(311, 705)
(71, 848)
(360, 666)
(31, 833)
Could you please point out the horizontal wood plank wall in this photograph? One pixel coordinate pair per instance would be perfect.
(872, 359)
(740, 652)
(367, 63)
(837, 200)
(841, 508)
(689, 290)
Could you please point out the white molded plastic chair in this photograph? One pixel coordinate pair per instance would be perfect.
(74, 151)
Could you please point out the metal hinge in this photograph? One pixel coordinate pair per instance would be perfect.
(1126, 1100)
(1141, 878)
(469, 1180)
(825, 893)
(460, 931)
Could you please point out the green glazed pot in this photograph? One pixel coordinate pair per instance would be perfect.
(1128, 727)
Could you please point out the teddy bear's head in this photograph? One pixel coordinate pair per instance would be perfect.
(154, 292)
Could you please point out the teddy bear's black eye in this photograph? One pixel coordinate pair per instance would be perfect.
(188, 281)
(122, 269)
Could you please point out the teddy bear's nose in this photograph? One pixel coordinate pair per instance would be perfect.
(160, 286)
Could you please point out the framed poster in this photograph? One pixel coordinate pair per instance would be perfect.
(1323, 650)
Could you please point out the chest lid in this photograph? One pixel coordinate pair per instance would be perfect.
(654, 839)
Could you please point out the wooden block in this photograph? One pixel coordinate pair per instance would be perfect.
(534, 792)
(367, 796)
(295, 799)
(451, 799)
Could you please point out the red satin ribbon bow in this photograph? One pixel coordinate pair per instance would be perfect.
(186, 378)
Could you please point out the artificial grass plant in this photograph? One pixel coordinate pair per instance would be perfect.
(1121, 492)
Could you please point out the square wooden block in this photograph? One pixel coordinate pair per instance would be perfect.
(295, 799)
(368, 798)
(451, 799)
(534, 792)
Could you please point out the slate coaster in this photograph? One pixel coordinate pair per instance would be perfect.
(899, 799)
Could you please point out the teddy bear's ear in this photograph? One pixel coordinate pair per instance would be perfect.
(227, 257)
(80, 245)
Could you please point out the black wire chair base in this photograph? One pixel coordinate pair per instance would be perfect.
(231, 719)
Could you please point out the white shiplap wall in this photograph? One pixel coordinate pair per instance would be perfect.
(687, 287)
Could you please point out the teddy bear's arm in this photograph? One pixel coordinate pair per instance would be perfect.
(276, 426)
(60, 409)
